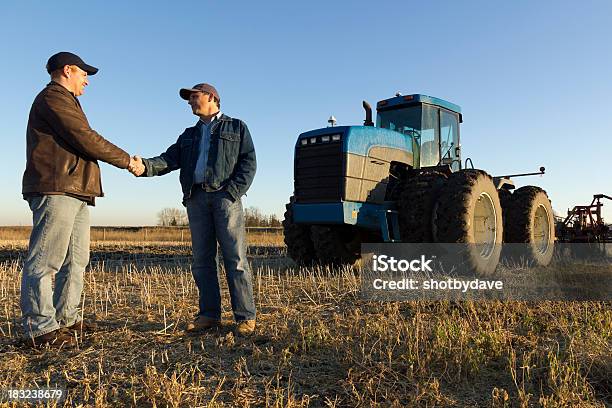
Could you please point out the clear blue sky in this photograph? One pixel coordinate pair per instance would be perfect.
(534, 80)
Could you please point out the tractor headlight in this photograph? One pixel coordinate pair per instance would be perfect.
(304, 142)
(313, 140)
(325, 138)
(335, 138)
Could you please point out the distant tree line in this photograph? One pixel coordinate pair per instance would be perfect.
(172, 217)
(253, 217)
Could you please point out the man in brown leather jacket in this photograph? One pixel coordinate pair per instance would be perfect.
(61, 179)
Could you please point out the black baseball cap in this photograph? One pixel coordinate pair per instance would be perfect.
(61, 59)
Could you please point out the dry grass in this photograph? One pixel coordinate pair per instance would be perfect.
(318, 343)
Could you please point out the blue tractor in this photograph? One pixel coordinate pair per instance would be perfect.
(403, 181)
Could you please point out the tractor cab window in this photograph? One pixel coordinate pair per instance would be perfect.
(404, 120)
(430, 136)
(449, 138)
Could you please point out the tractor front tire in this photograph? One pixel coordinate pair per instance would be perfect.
(469, 212)
(530, 222)
(300, 247)
(416, 202)
(335, 245)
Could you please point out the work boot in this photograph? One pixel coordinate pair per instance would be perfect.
(55, 339)
(82, 327)
(202, 323)
(245, 328)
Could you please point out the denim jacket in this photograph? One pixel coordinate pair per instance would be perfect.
(231, 161)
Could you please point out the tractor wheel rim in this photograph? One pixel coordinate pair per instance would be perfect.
(485, 225)
(541, 229)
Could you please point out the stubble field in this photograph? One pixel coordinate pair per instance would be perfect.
(318, 342)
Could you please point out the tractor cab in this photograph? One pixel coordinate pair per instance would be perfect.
(431, 123)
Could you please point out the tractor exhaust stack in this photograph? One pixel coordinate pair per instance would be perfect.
(368, 111)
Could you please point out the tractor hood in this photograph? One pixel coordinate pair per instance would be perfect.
(356, 139)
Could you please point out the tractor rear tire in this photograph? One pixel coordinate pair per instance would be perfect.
(469, 212)
(335, 245)
(416, 203)
(530, 221)
(300, 247)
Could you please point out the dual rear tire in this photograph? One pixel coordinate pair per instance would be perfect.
(466, 208)
(529, 227)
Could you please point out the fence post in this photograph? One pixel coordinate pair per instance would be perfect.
(104, 234)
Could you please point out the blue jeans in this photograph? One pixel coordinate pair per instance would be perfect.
(59, 246)
(216, 216)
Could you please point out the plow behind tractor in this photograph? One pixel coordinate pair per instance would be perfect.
(584, 224)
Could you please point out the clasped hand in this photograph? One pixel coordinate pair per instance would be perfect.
(136, 166)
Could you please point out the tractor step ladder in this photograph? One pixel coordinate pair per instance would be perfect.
(389, 225)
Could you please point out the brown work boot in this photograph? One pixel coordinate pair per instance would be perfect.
(55, 339)
(202, 323)
(245, 328)
(82, 327)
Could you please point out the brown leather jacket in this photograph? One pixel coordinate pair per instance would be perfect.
(62, 149)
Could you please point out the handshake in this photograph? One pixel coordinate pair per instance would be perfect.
(136, 166)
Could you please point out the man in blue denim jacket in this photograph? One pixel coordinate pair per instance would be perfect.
(216, 158)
